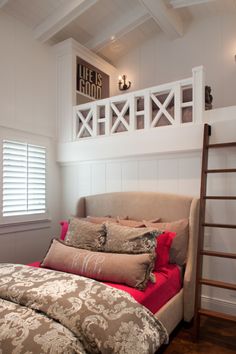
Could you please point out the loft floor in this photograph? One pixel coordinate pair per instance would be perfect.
(217, 337)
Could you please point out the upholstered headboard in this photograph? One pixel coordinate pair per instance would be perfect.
(150, 205)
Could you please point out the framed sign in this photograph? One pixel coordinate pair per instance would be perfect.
(91, 81)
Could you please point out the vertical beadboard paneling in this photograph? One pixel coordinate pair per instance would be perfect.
(168, 175)
(84, 179)
(130, 175)
(70, 191)
(147, 172)
(98, 178)
(114, 177)
(189, 175)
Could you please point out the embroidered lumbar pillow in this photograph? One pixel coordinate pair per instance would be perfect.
(129, 269)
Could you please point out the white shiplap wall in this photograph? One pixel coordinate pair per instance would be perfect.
(175, 173)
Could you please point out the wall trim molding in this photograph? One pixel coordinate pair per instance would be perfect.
(219, 305)
(11, 228)
(139, 157)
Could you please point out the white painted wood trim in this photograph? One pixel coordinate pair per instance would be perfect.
(121, 26)
(219, 305)
(71, 46)
(173, 91)
(198, 93)
(3, 2)
(186, 137)
(61, 18)
(178, 104)
(147, 110)
(177, 4)
(167, 18)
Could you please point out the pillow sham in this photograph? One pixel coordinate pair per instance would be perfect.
(179, 246)
(130, 223)
(64, 228)
(124, 239)
(135, 223)
(132, 270)
(101, 219)
(84, 234)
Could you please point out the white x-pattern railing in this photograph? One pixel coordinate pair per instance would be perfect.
(122, 113)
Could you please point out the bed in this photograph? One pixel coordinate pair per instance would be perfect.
(145, 331)
(149, 205)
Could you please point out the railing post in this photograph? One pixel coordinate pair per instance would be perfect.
(147, 110)
(75, 123)
(198, 93)
(132, 125)
(177, 104)
(108, 118)
(95, 119)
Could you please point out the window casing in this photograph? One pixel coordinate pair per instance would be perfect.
(23, 181)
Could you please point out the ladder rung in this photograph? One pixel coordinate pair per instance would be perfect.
(214, 314)
(221, 170)
(222, 145)
(218, 254)
(218, 284)
(224, 226)
(220, 197)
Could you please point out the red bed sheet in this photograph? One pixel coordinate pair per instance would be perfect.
(168, 284)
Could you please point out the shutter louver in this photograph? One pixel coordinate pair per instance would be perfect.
(24, 178)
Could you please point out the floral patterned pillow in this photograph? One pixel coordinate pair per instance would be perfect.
(84, 234)
(123, 239)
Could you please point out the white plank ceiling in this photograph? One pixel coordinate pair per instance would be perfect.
(111, 27)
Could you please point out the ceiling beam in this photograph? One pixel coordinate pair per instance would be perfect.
(2, 3)
(167, 19)
(124, 24)
(61, 18)
(177, 4)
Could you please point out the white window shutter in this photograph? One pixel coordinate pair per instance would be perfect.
(24, 179)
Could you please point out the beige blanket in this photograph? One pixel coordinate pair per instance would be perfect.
(44, 311)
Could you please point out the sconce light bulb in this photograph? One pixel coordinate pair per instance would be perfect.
(120, 78)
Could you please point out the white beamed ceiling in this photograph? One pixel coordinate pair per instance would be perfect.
(111, 27)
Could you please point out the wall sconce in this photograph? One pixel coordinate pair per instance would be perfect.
(122, 83)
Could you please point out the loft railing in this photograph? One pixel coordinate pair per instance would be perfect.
(173, 104)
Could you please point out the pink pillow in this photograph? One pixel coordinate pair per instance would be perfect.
(164, 242)
(64, 227)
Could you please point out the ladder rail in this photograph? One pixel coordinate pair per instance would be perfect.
(202, 224)
(206, 134)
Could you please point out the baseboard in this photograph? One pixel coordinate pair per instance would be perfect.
(219, 305)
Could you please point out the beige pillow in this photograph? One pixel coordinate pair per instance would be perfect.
(132, 270)
(84, 234)
(130, 223)
(101, 219)
(134, 223)
(179, 246)
(123, 239)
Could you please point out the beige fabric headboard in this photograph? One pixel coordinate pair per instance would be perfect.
(150, 205)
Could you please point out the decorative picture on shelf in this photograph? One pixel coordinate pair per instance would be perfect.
(91, 82)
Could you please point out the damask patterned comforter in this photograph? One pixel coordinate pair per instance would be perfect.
(44, 311)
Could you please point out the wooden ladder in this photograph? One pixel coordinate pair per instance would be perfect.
(202, 224)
